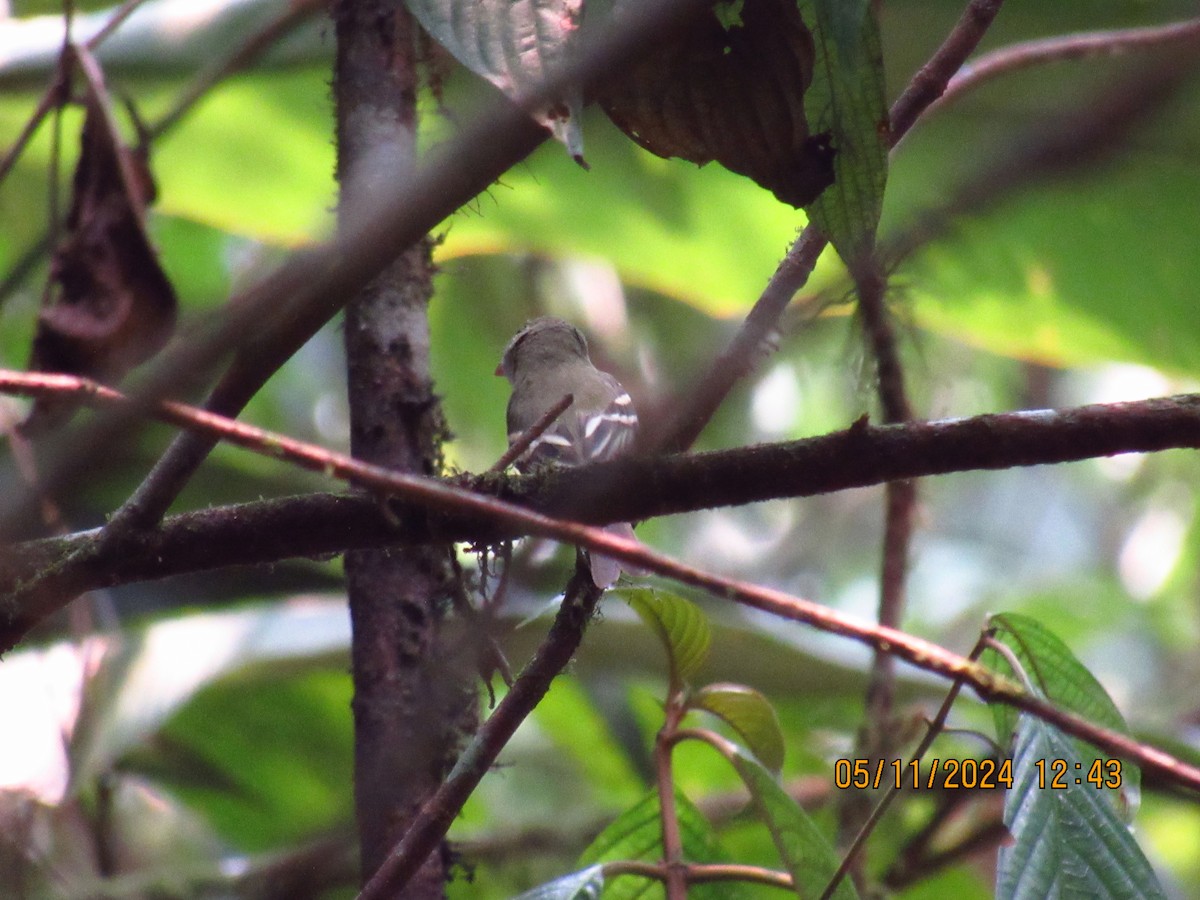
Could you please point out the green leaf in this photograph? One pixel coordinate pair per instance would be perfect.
(846, 100)
(515, 46)
(1066, 842)
(806, 853)
(751, 715)
(273, 177)
(259, 793)
(1062, 275)
(636, 834)
(729, 13)
(582, 885)
(147, 678)
(1054, 671)
(679, 623)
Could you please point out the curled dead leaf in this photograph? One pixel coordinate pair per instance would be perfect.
(734, 95)
(109, 306)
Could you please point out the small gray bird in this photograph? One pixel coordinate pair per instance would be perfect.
(545, 361)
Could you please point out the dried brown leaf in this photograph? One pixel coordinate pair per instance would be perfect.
(734, 95)
(109, 306)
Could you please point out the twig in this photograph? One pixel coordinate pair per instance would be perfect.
(930, 81)
(531, 434)
(931, 732)
(55, 93)
(120, 14)
(295, 13)
(1067, 47)
(695, 873)
(986, 836)
(875, 739)
(675, 881)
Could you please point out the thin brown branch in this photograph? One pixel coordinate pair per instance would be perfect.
(294, 13)
(120, 14)
(531, 434)
(931, 80)
(875, 740)
(1083, 133)
(675, 881)
(1083, 45)
(752, 339)
(55, 93)
(695, 873)
(986, 836)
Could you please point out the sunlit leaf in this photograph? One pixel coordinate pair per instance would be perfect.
(750, 714)
(273, 177)
(682, 627)
(1062, 275)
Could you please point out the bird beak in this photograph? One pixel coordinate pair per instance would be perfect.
(500, 369)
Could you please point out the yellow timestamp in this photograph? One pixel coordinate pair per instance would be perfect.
(944, 774)
(1059, 774)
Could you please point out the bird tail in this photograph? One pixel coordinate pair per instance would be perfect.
(606, 570)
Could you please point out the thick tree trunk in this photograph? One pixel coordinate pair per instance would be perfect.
(411, 702)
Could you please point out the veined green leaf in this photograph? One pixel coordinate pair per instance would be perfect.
(683, 628)
(805, 851)
(748, 713)
(1067, 842)
(847, 102)
(1054, 671)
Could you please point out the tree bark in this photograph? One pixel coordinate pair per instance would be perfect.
(412, 703)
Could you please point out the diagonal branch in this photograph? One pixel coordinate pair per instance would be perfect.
(1085, 45)
(876, 738)
(436, 815)
(531, 434)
